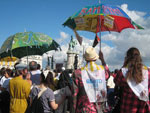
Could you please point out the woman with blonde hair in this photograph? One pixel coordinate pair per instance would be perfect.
(134, 80)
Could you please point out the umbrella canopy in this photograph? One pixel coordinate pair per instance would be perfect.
(27, 43)
(8, 62)
(109, 18)
(9, 59)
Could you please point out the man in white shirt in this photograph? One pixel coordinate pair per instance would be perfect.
(35, 73)
(3, 78)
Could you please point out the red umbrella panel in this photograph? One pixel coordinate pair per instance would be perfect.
(100, 18)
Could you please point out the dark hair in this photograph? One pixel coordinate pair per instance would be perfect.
(116, 70)
(70, 71)
(54, 70)
(51, 78)
(9, 72)
(18, 72)
(33, 65)
(16, 64)
(38, 66)
(133, 62)
(65, 79)
(48, 80)
(2, 71)
(59, 70)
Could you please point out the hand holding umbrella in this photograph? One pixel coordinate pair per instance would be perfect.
(101, 57)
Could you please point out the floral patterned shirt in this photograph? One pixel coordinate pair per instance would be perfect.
(81, 102)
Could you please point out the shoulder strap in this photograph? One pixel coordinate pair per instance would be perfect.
(41, 92)
(1, 77)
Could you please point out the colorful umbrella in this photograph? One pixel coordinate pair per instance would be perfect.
(8, 62)
(9, 59)
(99, 18)
(27, 43)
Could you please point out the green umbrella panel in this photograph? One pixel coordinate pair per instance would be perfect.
(27, 43)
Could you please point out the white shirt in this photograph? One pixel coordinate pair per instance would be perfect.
(6, 83)
(110, 82)
(58, 76)
(2, 80)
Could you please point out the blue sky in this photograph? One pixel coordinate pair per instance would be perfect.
(47, 16)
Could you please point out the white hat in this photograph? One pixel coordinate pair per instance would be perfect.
(90, 54)
(63, 68)
(21, 66)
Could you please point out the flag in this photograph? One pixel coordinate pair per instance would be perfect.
(79, 38)
(96, 41)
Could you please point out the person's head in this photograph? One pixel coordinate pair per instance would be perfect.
(21, 69)
(8, 73)
(38, 66)
(28, 76)
(25, 72)
(90, 54)
(33, 65)
(133, 62)
(47, 77)
(59, 70)
(116, 70)
(2, 71)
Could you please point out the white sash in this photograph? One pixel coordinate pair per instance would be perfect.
(41, 92)
(141, 89)
(93, 77)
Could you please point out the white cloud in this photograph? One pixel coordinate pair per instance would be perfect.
(114, 55)
(129, 38)
(63, 36)
(134, 15)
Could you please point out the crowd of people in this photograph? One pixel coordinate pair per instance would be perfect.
(90, 89)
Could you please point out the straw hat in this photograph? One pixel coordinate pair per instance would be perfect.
(90, 54)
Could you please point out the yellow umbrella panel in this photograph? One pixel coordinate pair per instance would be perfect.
(8, 61)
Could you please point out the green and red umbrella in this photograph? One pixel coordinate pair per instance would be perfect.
(27, 43)
(100, 18)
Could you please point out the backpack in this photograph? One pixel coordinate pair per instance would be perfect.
(36, 106)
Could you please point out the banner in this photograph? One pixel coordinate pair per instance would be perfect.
(108, 21)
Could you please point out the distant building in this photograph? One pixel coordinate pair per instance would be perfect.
(28, 59)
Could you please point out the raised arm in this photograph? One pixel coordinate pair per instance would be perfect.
(101, 57)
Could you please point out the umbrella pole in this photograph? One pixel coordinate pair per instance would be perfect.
(83, 54)
(27, 54)
(100, 26)
(100, 29)
(11, 53)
